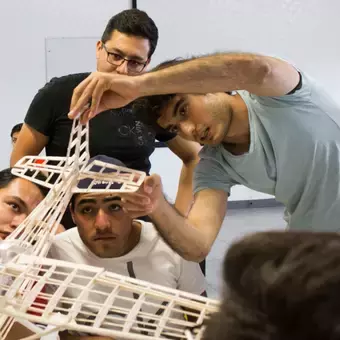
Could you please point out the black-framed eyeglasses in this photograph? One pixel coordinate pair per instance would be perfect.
(116, 59)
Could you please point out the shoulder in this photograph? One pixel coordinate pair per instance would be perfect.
(65, 245)
(66, 82)
(211, 156)
(56, 93)
(300, 95)
(152, 236)
(66, 237)
(209, 151)
(149, 232)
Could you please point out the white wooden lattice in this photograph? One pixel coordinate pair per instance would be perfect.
(127, 308)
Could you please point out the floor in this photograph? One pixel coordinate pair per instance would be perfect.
(238, 223)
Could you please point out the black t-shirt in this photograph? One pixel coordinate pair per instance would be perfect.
(115, 133)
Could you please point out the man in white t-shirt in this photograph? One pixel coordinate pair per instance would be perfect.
(107, 237)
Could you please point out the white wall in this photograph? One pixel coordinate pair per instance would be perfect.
(24, 25)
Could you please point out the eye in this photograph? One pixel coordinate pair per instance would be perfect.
(134, 63)
(116, 56)
(15, 207)
(115, 207)
(86, 210)
(183, 111)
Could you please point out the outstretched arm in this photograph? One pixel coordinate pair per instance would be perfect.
(192, 237)
(261, 75)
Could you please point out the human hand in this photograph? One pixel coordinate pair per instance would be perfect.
(60, 229)
(103, 91)
(146, 200)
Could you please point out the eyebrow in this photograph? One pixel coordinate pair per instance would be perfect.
(112, 198)
(19, 200)
(135, 57)
(94, 201)
(177, 105)
(174, 112)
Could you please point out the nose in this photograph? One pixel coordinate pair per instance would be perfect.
(123, 68)
(102, 220)
(17, 219)
(187, 128)
(8, 228)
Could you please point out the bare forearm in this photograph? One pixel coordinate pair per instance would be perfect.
(216, 73)
(187, 240)
(185, 197)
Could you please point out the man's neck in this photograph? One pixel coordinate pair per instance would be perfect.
(237, 139)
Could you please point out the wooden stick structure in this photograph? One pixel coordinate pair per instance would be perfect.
(51, 295)
(101, 302)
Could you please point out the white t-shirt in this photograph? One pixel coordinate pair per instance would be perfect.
(151, 260)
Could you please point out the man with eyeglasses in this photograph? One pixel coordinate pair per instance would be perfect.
(126, 47)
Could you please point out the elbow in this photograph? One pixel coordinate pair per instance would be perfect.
(263, 70)
(251, 69)
(197, 255)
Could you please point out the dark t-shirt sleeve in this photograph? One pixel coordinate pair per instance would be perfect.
(40, 115)
(52, 101)
(163, 135)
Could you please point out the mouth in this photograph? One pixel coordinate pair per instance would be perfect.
(204, 135)
(3, 235)
(105, 238)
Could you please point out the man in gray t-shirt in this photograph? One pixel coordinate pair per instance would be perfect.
(278, 133)
(294, 154)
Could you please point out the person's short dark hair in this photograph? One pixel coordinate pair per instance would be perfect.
(280, 285)
(133, 22)
(16, 128)
(6, 177)
(148, 109)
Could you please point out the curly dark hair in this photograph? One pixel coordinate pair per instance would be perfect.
(279, 286)
(148, 109)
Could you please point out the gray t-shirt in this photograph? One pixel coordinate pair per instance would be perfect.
(294, 155)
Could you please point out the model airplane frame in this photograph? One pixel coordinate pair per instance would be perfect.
(35, 290)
